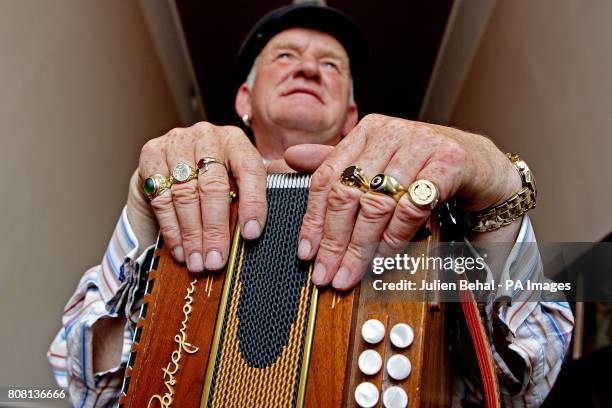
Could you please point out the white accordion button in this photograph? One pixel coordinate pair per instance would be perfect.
(370, 362)
(366, 395)
(373, 331)
(398, 367)
(401, 335)
(395, 397)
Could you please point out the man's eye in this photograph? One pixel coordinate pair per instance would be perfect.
(332, 65)
(283, 56)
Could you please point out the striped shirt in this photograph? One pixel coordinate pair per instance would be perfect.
(104, 291)
(541, 330)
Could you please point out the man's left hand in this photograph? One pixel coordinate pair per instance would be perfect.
(345, 227)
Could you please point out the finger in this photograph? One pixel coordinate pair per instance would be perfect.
(374, 215)
(214, 208)
(278, 166)
(405, 222)
(247, 166)
(326, 175)
(371, 160)
(377, 209)
(404, 166)
(343, 203)
(324, 178)
(186, 201)
(418, 143)
(306, 158)
(153, 161)
(442, 169)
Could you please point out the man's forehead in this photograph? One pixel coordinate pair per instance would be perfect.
(306, 37)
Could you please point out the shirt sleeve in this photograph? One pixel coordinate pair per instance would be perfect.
(538, 331)
(104, 291)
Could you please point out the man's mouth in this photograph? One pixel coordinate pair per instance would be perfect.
(303, 90)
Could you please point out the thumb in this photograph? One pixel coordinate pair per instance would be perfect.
(306, 158)
(278, 166)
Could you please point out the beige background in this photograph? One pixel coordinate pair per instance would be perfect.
(541, 85)
(81, 90)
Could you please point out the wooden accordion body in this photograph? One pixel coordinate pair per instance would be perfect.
(260, 334)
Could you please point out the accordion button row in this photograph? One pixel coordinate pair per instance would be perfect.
(366, 396)
(401, 335)
(398, 366)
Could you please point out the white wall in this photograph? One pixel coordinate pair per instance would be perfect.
(81, 89)
(541, 85)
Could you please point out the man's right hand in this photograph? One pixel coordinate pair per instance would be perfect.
(186, 213)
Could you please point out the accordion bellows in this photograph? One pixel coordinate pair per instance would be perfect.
(266, 309)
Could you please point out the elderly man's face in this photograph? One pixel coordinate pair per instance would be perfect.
(303, 82)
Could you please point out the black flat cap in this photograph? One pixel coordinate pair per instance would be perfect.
(306, 15)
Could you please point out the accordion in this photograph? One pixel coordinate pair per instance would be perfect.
(260, 334)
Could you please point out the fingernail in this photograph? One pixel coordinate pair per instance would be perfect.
(251, 230)
(214, 261)
(196, 262)
(179, 254)
(318, 274)
(341, 278)
(304, 248)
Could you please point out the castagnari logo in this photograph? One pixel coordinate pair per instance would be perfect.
(173, 366)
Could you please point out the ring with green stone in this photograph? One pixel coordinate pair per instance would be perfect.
(156, 185)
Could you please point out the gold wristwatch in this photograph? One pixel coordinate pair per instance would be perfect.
(513, 208)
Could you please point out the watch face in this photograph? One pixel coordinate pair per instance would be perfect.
(526, 175)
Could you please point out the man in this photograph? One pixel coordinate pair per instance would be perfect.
(297, 100)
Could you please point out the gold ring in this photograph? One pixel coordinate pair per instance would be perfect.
(205, 162)
(424, 194)
(183, 173)
(387, 185)
(353, 176)
(156, 185)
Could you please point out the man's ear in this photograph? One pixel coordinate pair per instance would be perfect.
(352, 117)
(242, 104)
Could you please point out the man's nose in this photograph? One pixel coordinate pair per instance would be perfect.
(309, 67)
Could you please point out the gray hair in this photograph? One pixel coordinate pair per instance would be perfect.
(250, 81)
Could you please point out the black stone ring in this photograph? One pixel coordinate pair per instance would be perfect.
(387, 185)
